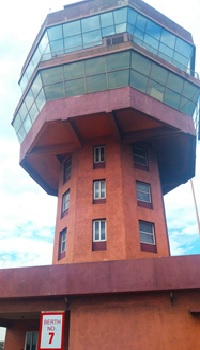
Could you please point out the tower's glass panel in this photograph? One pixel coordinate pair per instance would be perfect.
(175, 82)
(54, 91)
(138, 81)
(118, 61)
(120, 16)
(40, 100)
(73, 43)
(27, 124)
(95, 66)
(172, 99)
(90, 24)
(73, 70)
(55, 32)
(141, 64)
(52, 75)
(57, 47)
(75, 87)
(92, 38)
(33, 113)
(71, 28)
(107, 19)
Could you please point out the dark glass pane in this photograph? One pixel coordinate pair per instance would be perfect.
(118, 79)
(74, 87)
(159, 74)
(190, 91)
(118, 61)
(96, 83)
(138, 81)
(54, 91)
(141, 64)
(175, 82)
(73, 70)
(52, 75)
(172, 99)
(95, 66)
(187, 106)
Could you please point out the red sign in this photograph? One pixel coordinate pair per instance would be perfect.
(51, 331)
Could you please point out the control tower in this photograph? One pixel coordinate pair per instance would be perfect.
(106, 123)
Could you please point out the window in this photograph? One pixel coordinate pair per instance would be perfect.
(99, 230)
(67, 169)
(144, 194)
(62, 244)
(31, 341)
(147, 237)
(65, 202)
(140, 156)
(99, 156)
(146, 232)
(99, 191)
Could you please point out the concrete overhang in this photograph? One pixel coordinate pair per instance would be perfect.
(64, 125)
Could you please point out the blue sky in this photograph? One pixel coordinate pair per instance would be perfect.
(26, 235)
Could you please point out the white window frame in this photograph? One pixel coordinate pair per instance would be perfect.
(65, 201)
(100, 232)
(152, 233)
(67, 168)
(98, 191)
(146, 192)
(63, 238)
(31, 335)
(137, 154)
(98, 150)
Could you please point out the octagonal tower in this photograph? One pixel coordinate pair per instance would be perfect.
(106, 123)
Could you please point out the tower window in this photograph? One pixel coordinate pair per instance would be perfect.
(140, 157)
(31, 341)
(147, 237)
(65, 202)
(144, 194)
(99, 156)
(62, 244)
(67, 169)
(99, 230)
(99, 191)
(146, 232)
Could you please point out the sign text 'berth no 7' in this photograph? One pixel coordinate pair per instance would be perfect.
(51, 331)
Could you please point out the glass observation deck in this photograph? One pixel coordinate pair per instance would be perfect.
(110, 71)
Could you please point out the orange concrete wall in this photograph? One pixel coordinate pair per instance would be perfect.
(120, 210)
(16, 333)
(140, 322)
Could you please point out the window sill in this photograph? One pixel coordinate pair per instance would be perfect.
(145, 247)
(144, 204)
(98, 246)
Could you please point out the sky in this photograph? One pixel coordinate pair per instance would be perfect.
(26, 235)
